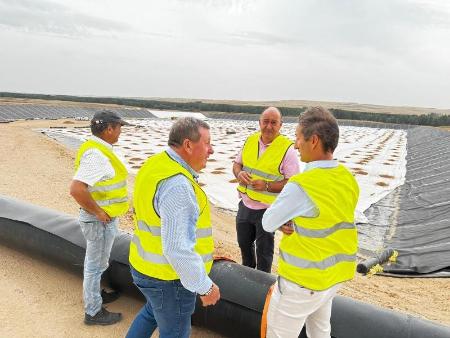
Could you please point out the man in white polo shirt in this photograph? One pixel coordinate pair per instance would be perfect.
(100, 188)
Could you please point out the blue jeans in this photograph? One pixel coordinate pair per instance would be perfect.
(169, 307)
(99, 241)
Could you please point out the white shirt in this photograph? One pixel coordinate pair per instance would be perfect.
(94, 165)
(293, 201)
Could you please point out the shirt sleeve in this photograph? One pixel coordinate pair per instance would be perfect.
(290, 203)
(94, 167)
(238, 158)
(177, 206)
(291, 163)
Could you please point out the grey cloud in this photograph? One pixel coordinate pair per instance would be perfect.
(390, 27)
(383, 25)
(52, 18)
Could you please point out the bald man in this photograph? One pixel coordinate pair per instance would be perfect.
(262, 168)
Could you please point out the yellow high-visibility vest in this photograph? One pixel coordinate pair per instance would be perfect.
(322, 250)
(146, 251)
(111, 195)
(266, 167)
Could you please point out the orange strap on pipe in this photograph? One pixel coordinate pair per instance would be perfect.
(223, 258)
(264, 314)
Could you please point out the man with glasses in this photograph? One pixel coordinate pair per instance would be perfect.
(262, 168)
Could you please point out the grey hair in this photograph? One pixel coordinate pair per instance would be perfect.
(185, 128)
(319, 121)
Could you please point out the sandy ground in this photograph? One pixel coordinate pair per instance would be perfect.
(38, 170)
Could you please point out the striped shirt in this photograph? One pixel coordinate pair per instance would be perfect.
(177, 206)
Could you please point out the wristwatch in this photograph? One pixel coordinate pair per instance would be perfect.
(208, 292)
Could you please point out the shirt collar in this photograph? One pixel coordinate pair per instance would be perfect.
(173, 154)
(103, 142)
(263, 144)
(268, 144)
(324, 164)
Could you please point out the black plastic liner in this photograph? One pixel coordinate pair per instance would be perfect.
(57, 237)
(416, 216)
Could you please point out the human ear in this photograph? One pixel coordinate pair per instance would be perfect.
(187, 145)
(314, 140)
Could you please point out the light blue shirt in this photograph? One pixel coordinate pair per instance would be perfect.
(293, 201)
(177, 206)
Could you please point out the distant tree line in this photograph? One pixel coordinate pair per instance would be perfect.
(431, 119)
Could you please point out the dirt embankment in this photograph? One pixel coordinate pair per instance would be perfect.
(38, 170)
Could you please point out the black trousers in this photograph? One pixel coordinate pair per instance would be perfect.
(250, 232)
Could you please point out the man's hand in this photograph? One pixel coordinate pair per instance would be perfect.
(79, 191)
(102, 216)
(212, 298)
(287, 228)
(258, 185)
(244, 178)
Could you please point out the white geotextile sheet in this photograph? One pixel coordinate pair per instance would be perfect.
(376, 156)
(171, 114)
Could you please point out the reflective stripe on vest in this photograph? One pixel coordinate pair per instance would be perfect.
(112, 194)
(322, 233)
(146, 250)
(263, 174)
(104, 203)
(322, 265)
(108, 187)
(156, 230)
(322, 250)
(265, 167)
(263, 192)
(160, 259)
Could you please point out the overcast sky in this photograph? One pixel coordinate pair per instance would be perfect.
(393, 52)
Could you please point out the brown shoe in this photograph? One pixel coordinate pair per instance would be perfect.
(103, 317)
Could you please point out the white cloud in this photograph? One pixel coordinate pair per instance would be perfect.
(48, 17)
(385, 52)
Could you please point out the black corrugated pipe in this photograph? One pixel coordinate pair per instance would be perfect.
(58, 237)
(243, 293)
